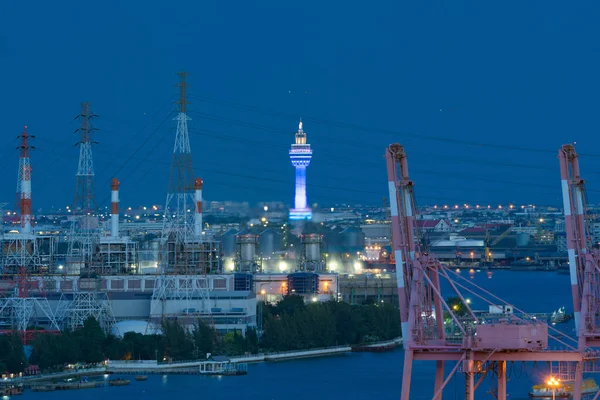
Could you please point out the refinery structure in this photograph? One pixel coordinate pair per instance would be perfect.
(130, 277)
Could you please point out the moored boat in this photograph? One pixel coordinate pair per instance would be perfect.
(119, 382)
(141, 378)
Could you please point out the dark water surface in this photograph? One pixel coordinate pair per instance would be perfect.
(356, 375)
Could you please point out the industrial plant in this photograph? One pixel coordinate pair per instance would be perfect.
(131, 276)
(192, 259)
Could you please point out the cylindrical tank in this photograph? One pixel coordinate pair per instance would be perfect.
(269, 242)
(312, 246)
(247, 247)
(228, 241)
(523, 239)
(353, 238)
(303, 283)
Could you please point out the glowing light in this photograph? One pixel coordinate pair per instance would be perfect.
(266, 208)
(333, 265)
(282, 266)
(314, 299)
(468, 301)
(263, 292)
(357, 266)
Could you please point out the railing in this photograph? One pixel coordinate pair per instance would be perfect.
(307, 350)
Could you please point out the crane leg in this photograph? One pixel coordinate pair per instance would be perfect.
(501, 380)
(578, 382)
(439, 379)
(406, 374)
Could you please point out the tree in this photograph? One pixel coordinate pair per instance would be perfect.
(178, 344)
(203, 338)
(91, 340)
(252, 340)
(12, 353)
(290, 304)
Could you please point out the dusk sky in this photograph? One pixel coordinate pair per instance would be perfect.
(481, 94)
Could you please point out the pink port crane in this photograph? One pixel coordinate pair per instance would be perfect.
(479, 346)
(583, 262)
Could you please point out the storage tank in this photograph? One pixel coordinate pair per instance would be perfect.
(228, 241)
(312, 246)
(523, 239)
(269, 242)
(303, 283)
(246, 252)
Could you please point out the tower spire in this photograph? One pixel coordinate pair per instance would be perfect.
(182, 85)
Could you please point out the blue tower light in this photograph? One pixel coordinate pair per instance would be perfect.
(300, 155)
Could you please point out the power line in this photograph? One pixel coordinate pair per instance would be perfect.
(396, 134)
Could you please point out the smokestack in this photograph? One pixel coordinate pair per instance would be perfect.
(24, 183)
(114, 211)
(198, 199)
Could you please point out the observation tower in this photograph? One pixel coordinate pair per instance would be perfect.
(300, 155)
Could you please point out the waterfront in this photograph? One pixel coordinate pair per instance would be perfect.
(360, 375)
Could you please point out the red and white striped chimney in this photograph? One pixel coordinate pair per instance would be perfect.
(114, 210)
(25, 183)
(198, 199)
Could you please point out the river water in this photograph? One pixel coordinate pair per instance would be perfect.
(356, 375)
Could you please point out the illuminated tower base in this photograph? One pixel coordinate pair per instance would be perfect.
(300, 155)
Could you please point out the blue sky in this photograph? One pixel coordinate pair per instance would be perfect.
(462, 84)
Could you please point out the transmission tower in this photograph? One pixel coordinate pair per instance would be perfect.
(85, 230)
(22, 258)
(21, 248)
(184, 250)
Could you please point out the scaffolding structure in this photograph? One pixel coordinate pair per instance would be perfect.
(75, 308)
(115, 256)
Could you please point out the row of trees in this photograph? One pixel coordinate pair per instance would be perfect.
(91, 345)
(288, 325)
(293, 325)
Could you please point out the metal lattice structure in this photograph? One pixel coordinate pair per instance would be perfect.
(85, 230)
(20, 247)
(584, 262)
(185, 251)
(73, 309)
(21, 259)
(480, 346)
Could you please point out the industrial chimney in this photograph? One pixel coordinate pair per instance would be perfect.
(198, 199)
(114, 211)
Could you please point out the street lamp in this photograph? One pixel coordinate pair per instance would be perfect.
(553, 383)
